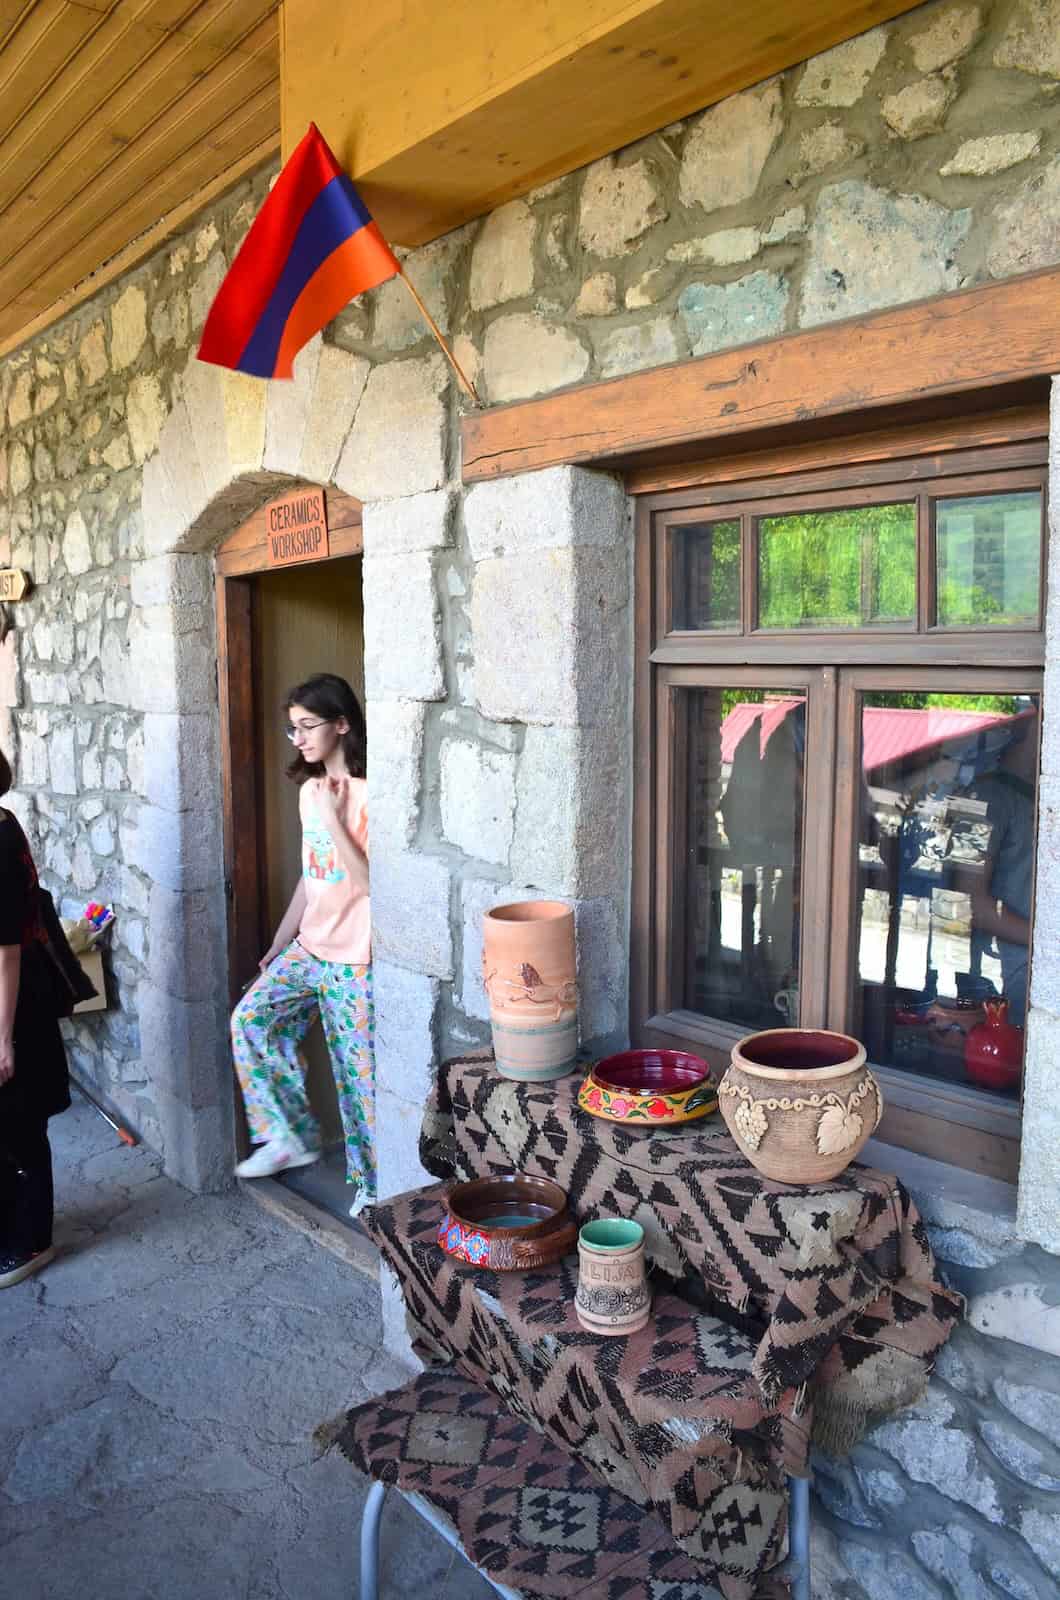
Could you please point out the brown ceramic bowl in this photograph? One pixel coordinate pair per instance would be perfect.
(509, 1222)
(649, 1088)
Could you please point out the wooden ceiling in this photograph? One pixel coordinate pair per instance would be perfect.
(113, 115)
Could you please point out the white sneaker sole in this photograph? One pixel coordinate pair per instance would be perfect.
(246, 1169)
(34, 1264)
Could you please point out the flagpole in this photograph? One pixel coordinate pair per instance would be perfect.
(453, 362)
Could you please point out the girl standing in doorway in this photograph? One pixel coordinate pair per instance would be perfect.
(320, 960)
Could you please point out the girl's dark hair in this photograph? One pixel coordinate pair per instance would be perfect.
(329, 696)
(6, 779)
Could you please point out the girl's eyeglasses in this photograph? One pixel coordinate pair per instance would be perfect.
(305, 727)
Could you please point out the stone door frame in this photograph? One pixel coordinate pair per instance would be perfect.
(238, 560)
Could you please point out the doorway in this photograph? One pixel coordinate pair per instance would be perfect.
(276, 627)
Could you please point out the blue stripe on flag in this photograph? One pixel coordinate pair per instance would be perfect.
(336, 214)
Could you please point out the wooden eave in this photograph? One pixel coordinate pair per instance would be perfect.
(459, 107)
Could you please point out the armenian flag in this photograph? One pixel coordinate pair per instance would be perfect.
(312, 248)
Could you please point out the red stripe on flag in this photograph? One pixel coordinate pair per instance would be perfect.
(252, 276)
(363, 262)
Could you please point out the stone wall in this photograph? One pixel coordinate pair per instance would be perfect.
(82, 409)
(958, 1497)
(921, 157)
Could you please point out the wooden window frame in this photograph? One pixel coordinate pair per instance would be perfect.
(834, 667)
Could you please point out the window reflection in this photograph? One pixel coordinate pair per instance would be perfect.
(944, 870)
(988, 554)
(706, 575)
(746, 752)
(853, 567)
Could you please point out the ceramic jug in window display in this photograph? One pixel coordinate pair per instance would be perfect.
(529, 970)
(800, 1102)
(993, 1051)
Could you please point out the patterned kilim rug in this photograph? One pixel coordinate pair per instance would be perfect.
(671, 1418)
(837, 1278)
(529, 1516)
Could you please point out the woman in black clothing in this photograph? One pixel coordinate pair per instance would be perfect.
(33, 1078)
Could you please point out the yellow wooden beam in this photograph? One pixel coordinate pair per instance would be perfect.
(442, 111)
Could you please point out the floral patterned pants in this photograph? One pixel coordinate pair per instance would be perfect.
(268, 1026)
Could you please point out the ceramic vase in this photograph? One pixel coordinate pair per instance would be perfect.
(993, 1051)
(800, 1102)
(612, 1296)
(528, 961)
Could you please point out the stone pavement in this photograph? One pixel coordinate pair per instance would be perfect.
(160, 1383)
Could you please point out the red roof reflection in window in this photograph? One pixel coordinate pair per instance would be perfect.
(890, 733)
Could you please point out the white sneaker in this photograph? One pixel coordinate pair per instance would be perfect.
(363, 1199)
(279, 1155)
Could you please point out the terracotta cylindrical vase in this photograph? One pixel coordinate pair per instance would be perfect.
(529, 969)
(800, 1102)
(612, 1296)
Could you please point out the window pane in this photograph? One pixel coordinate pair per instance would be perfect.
(988, 554)
(706, 575)
(944, 870)
(745, 790)
(846, 568)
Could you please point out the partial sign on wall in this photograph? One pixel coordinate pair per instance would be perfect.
(296, 528)
(14, 584)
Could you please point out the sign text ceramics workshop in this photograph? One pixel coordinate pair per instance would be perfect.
(296, 528)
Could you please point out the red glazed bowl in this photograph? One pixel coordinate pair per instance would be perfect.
(649, 1088)
(509, 1222)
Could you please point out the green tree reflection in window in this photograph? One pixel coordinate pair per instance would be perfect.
(844, 568)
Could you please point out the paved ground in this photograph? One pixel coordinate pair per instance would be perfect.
(160, 1384)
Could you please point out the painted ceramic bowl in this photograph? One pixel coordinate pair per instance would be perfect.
(508, 1223)
(649, 1088)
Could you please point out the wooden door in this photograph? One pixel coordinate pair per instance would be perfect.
(276, 627)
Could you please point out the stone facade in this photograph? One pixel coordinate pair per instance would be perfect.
(922, 157)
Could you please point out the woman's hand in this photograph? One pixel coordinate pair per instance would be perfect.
(7, 1059)
(269, 957)
(329, 795)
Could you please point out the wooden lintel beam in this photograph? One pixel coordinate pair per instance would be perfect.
(1000, 334)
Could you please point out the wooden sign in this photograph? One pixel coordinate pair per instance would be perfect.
(14, 584)
(296, 528)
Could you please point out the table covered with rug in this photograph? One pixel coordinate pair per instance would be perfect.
(670, 1417)
(533, 1518)
(834, 1281)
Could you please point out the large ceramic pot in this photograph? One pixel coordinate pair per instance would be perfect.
(800, 1102)
(528, 964)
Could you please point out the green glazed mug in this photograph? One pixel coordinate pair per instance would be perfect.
(612, 1297)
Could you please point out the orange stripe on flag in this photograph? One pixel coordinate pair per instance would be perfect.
(362, 262)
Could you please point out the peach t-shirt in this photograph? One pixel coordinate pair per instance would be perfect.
(336, 924)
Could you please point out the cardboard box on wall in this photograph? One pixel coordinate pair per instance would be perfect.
(92, 966)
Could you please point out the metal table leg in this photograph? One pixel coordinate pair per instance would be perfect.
(373, 1507)
(797, 1565)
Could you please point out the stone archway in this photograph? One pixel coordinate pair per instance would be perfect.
(228, 445)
